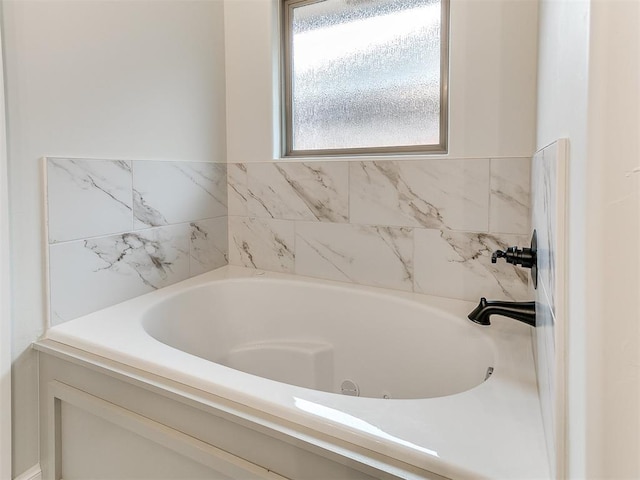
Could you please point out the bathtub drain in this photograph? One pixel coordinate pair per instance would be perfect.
(350, 388)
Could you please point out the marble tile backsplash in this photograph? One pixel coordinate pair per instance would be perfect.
(427, 226)
(166, 193)
(548, 218)
(299, 191)
(451, 194)
(88, 199)
(118, 229)
(373, 255)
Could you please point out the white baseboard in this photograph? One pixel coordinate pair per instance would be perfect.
(34, 473)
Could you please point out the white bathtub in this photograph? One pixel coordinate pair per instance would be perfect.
(302, 349)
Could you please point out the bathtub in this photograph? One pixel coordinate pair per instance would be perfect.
(405, 376)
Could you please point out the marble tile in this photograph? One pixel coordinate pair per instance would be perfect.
(548, 219)
(237, 189)
(209, 245)
(87, 275)
(88, 198)
(369, 255)
(317, 191)
(510, 186)
(262, 243)
(546, 374)
(452, 194)
(173, 192)
(458, 265)
(548, 202)
(542, 218)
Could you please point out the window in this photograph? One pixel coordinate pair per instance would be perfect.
(365, 76)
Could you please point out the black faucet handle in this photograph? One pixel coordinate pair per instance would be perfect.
(516, 256)
(526, 257)
(498, 254)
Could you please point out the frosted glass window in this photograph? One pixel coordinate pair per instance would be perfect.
(365, 76)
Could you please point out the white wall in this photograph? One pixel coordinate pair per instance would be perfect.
(588, 91)
(562, 110)
(613, 239)
(127, 80)
(492, 79)
(5, 298)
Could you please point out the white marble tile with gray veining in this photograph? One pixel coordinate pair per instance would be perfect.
(546, 368)
(451, 194)
(173, 192)
(539, 217)
(458, 265)
(237, 189)
(547, 199)
(88, 198)
(262, 243)
(316, 191)
(209, 245)
(545, 218)
(87, 275)
(510, 186)
(368, 255)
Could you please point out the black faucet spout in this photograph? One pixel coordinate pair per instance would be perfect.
(522, 311)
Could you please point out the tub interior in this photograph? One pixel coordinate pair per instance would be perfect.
(326, 338)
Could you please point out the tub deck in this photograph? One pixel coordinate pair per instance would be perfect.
(491, 431)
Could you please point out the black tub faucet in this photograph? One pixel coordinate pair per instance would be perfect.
(522, 311)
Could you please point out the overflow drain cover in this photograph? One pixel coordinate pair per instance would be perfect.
(350, 388)
(488, 374)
